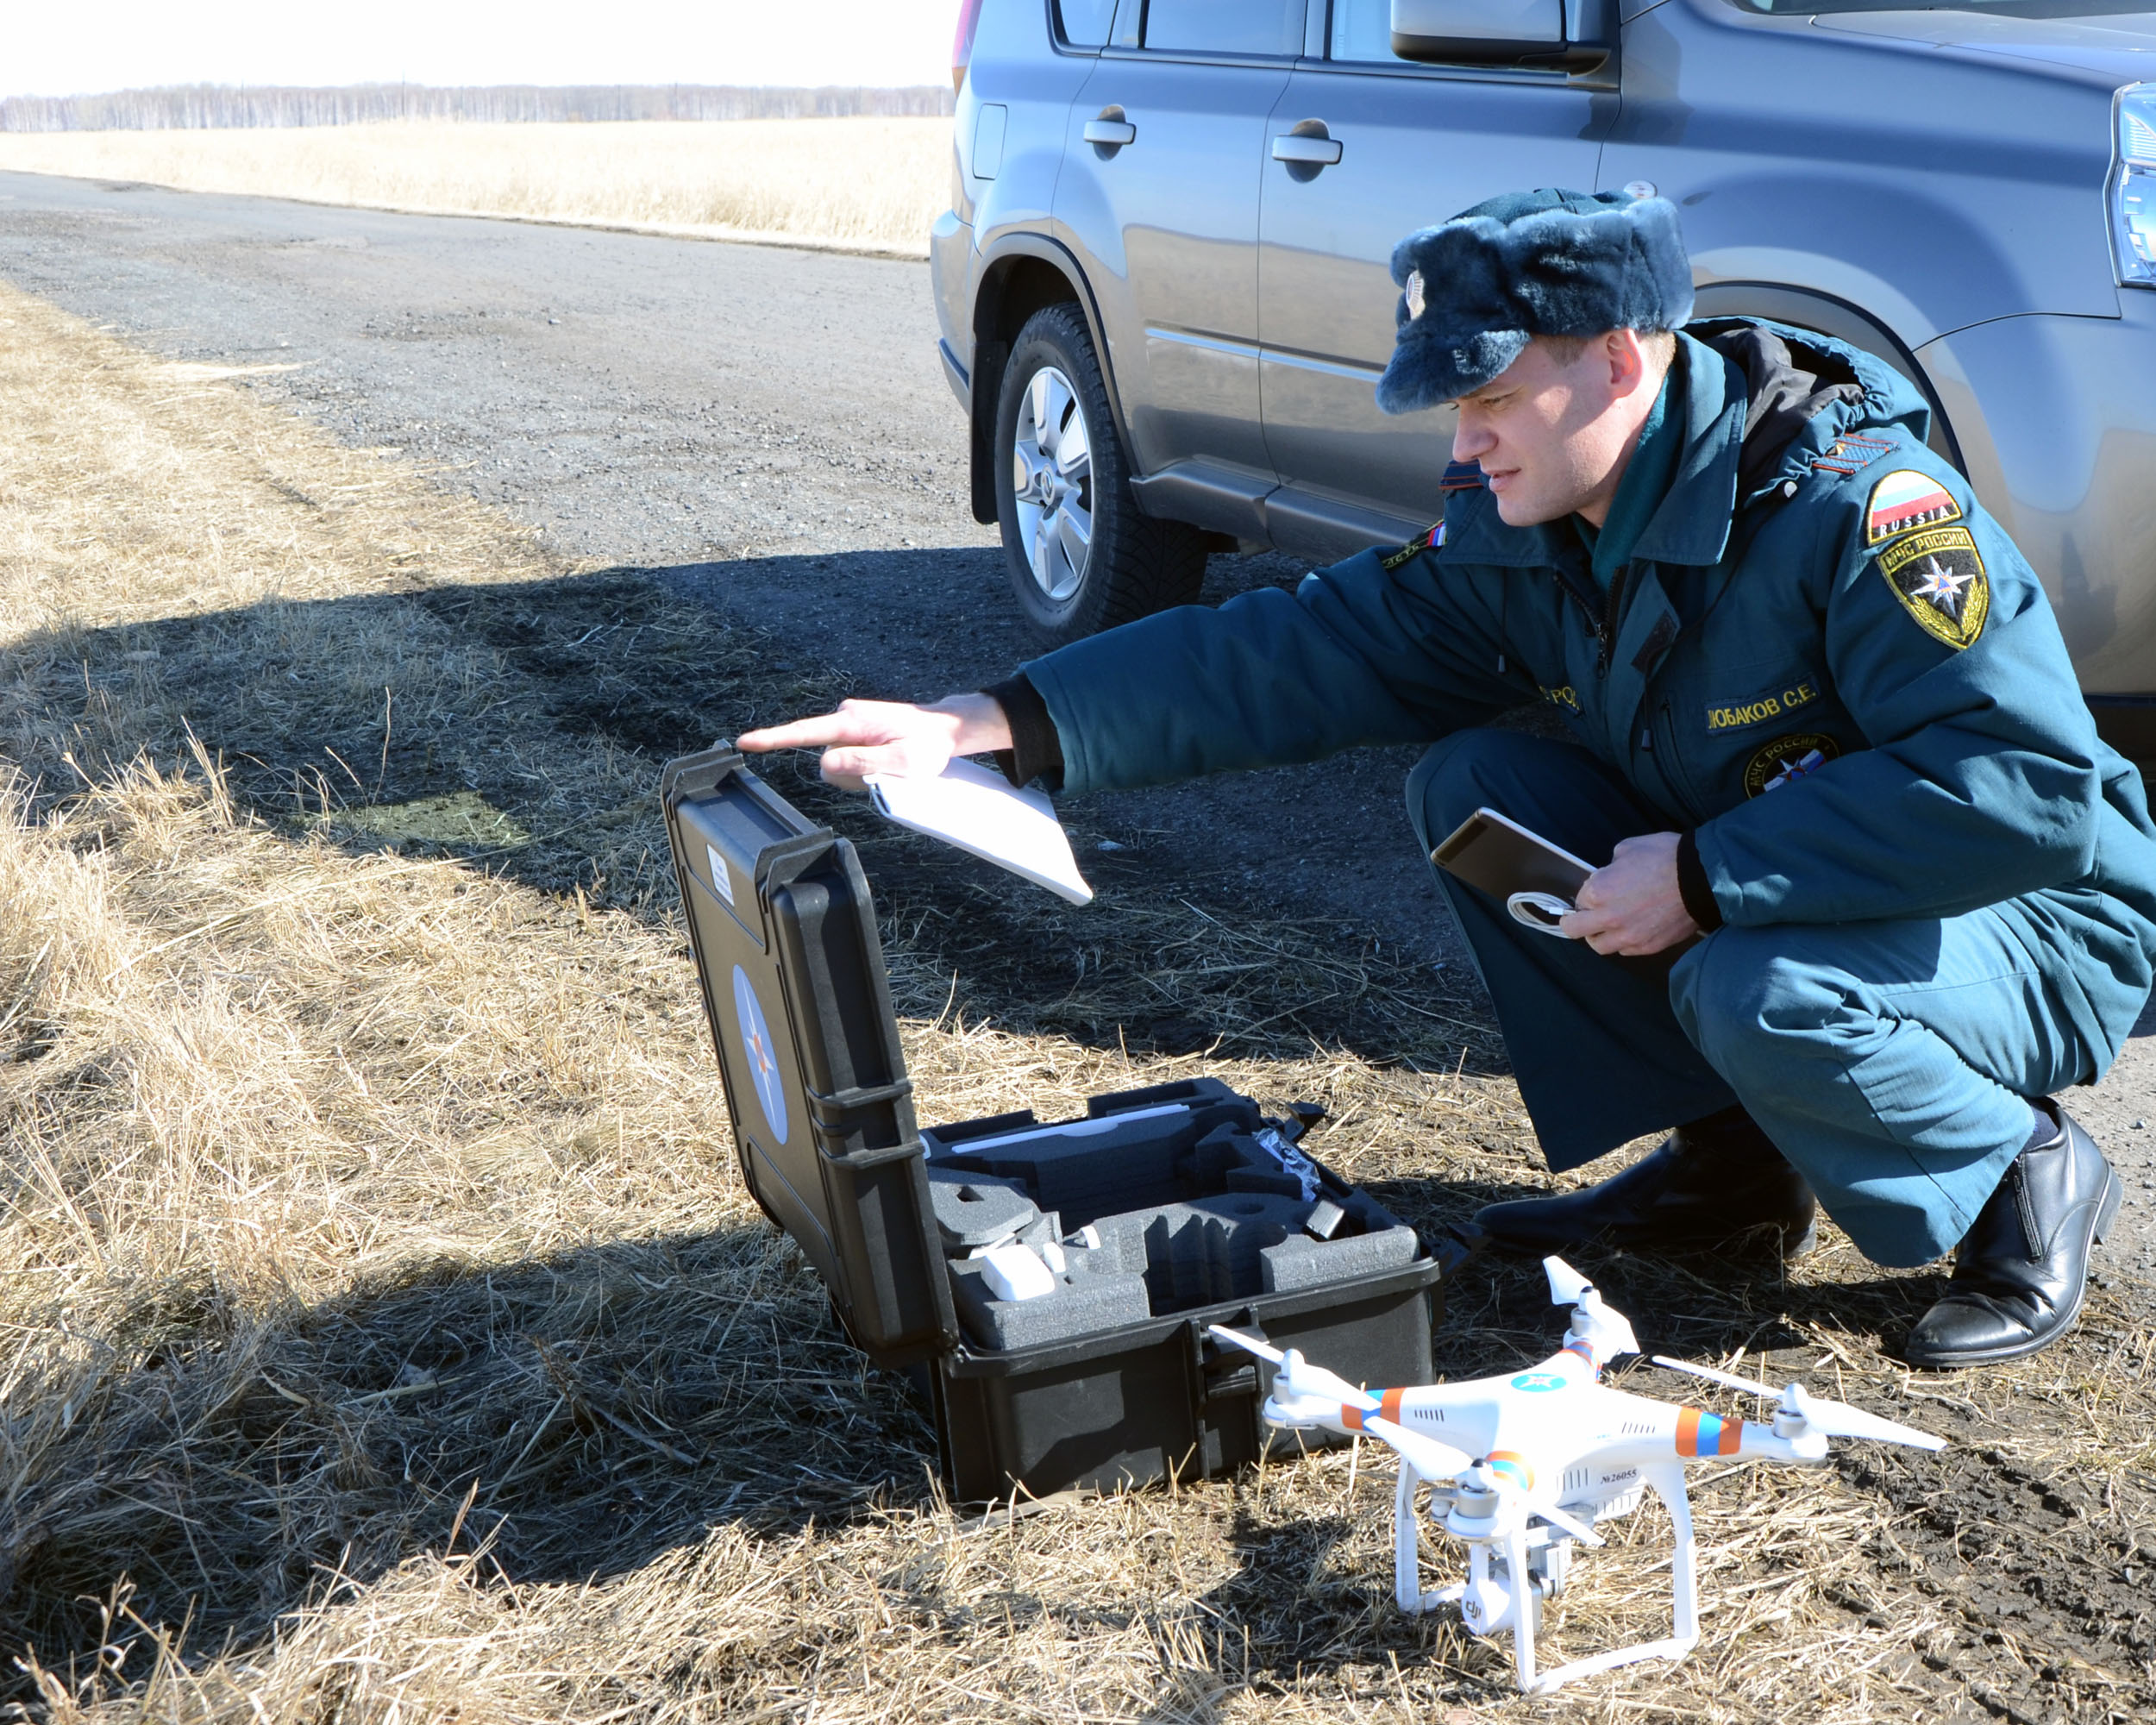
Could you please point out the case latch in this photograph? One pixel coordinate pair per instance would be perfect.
(1226, 1373)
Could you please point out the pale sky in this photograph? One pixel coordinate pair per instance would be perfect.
(58, 50)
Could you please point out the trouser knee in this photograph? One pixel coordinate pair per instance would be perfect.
(1755, 1011)
(1462, 773)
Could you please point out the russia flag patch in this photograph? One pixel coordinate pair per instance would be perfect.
(1903, 499)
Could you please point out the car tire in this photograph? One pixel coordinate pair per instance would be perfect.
(1082, 556)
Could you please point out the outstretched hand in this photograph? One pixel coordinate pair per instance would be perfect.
(891, 738)
(1633, 907)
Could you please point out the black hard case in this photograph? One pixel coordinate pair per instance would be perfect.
(779, 913)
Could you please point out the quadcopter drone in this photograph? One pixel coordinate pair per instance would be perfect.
(1522, 1464)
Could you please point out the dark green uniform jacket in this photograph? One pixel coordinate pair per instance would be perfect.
(1824, 660)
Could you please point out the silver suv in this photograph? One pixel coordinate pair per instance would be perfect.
(1163, 290)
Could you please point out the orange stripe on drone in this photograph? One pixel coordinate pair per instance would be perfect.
(1700, 1433)
(1350, 1417)
(1389, 1405)
(1511, 1465)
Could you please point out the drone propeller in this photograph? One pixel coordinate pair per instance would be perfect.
(1297, 1376)
(1248, 1344)
(1592, 1316)
(1570, 1524)
(1426, 1456)
(1481, 1489)
(1567, 1286)
(1835, 1419)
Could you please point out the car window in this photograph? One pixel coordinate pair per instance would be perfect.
(1362, 29)
(1085, 22)
(1237, 26)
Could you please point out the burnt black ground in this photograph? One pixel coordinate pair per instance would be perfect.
(769, 428)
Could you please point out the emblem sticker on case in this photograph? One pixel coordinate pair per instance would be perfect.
(722, 876)
(763, 1055)
(1938, 576)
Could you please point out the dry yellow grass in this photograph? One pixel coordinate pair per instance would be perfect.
(859, 184)
(383, 1336)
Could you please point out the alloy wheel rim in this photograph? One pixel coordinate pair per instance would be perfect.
(1051, 482)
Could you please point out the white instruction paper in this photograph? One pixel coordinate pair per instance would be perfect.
(976, 809)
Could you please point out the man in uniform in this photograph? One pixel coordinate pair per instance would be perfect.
(1874, 888)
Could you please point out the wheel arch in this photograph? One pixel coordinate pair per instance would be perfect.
(1828, 314)
(1020, 274)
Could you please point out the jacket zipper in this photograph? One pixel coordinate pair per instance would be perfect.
(1607, 633)
(1674, 773)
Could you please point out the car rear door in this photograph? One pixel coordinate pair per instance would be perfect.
(1165, 221)
(1416, 144)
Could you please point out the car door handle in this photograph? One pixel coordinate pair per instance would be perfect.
(1305, 151)
(1113, 133)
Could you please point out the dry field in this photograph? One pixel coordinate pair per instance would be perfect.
(384, 1338)
(867, 185)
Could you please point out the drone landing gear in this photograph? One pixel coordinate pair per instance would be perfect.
(1490, 1602)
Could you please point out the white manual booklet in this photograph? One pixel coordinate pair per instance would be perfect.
(975, 808)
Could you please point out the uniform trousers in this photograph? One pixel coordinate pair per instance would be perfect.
(1888, 1061)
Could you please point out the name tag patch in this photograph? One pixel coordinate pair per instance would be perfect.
(1736, 715)
(1940, 578)
(1565, 697)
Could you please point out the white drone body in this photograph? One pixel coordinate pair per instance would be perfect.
(1521, 1465)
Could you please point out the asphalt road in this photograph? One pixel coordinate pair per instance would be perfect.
(769, 428)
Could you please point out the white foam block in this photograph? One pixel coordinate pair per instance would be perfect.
(1016, 1272)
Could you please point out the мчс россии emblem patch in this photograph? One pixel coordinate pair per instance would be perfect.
(1787, 758)
(1938, 576)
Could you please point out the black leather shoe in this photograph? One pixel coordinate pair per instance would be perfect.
(2021, 1273)
(1714, 1185)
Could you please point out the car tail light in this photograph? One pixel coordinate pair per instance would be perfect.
(962, 43)
(2134, 186)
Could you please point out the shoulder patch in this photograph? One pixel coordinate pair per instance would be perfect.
(1462, 476)
(1850, 455)
(1903, 499)
(1938, 576)
(1414, 547)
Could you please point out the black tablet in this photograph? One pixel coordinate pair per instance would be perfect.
(1535, 879)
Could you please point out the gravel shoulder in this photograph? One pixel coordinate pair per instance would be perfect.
(771, 431)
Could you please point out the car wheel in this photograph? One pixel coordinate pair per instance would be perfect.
(1082, 556)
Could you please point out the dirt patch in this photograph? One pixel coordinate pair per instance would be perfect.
(391, 1338)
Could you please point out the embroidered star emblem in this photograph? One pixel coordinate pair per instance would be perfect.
(1941, 586)
(1797, 770)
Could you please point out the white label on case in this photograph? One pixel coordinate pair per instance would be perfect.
(720, 878)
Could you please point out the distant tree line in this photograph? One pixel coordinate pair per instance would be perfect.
(196, 106)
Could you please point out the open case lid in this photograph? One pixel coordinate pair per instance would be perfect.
(784, 933)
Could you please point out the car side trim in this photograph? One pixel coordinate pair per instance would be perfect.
(1351, 370)
(1208, 495)
(955, 374)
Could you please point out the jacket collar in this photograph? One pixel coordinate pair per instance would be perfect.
(1692, 524)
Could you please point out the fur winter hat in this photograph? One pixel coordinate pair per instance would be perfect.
(1477, 288)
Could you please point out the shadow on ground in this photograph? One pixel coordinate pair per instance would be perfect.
(572, 1418)
(522, 726)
